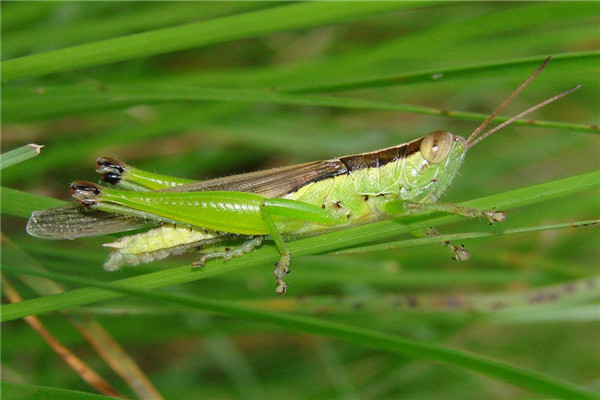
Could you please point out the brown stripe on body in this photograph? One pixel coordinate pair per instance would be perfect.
(382, 157)
(374, 159)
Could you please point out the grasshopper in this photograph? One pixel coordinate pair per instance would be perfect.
(283, 203)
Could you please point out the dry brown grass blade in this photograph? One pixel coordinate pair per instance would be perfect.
(102, 342)
(112, 352)
(82, 369)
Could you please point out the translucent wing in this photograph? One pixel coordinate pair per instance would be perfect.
(71, 221)
(269, 183)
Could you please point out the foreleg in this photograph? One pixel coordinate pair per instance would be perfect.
(409, 207)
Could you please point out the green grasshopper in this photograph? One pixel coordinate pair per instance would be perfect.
(283, 203)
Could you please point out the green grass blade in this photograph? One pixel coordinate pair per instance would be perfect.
(99, 338)
(437, 46)
(21, 204)
(147, 17)
(492, 306)
(448, 73)
(277, 19)
(463, 236)
(12, 390)
(21, 154)
(520, 377)
(71, 99)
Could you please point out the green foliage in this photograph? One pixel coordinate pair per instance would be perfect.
(208, 89)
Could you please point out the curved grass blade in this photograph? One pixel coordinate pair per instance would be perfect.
(500, 306)
(89, 375)
(21, 204)
(467, 235)
(70, 99)
(252, 24)
(520, 377)
(11, 390)
(97, 336)
(441, 73)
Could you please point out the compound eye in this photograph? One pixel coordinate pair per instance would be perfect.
(436, 146)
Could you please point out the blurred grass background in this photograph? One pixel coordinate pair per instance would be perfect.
(211, 110)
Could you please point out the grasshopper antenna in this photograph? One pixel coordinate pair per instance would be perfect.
(472, 140)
